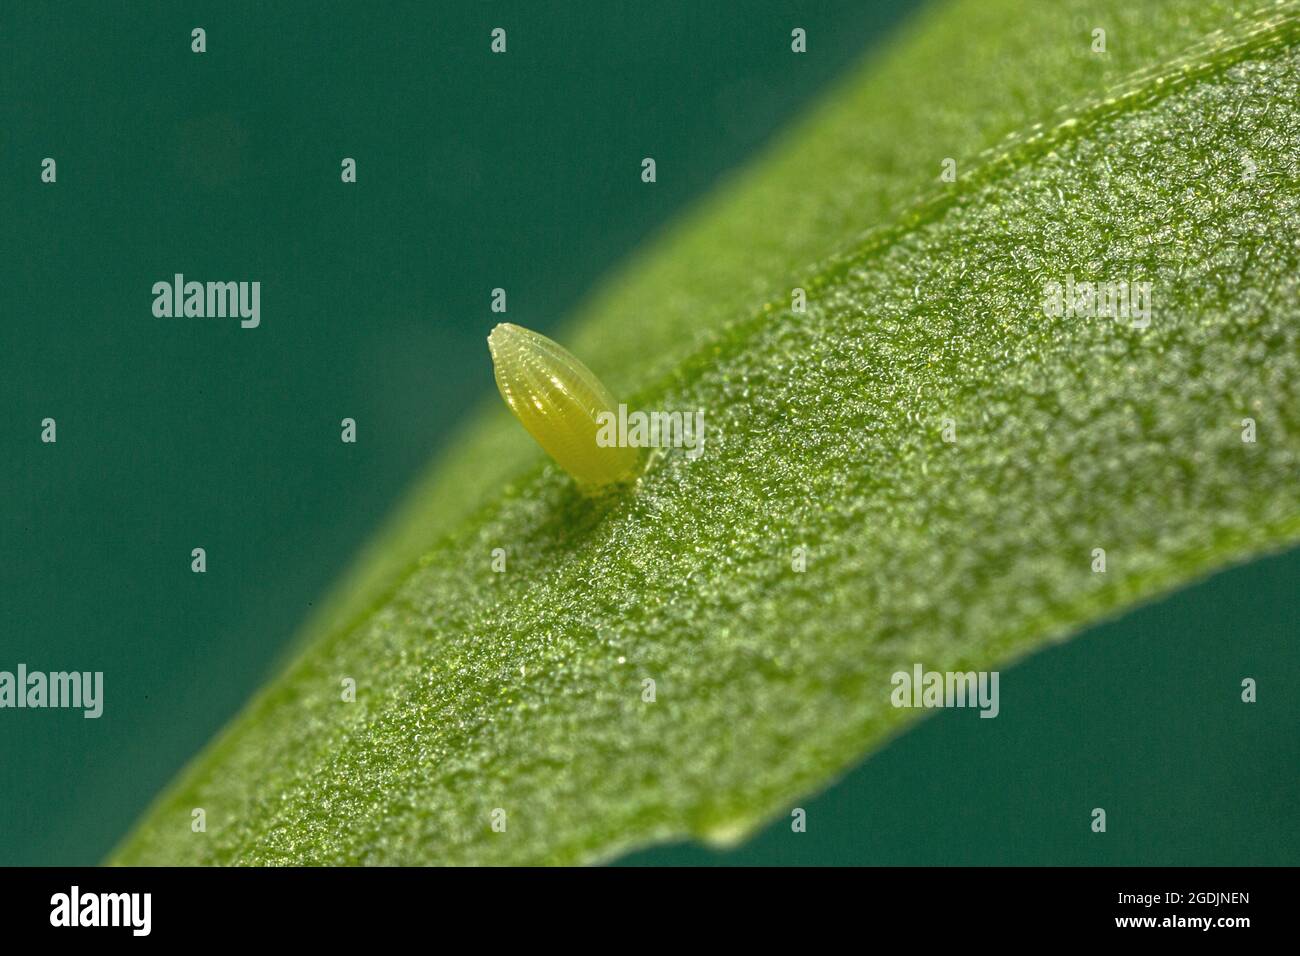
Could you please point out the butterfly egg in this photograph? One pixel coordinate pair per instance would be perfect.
(560, 402)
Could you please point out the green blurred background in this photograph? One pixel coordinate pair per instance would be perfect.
(474, 171)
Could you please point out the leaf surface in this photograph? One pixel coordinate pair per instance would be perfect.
(1171, 159)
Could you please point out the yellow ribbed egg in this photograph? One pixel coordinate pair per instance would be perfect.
(559, 401)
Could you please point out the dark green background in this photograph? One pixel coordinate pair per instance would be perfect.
(475, 171)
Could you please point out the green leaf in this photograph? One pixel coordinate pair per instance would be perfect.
(1171, 159)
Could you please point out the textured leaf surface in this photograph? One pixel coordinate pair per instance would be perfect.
(1173, 159)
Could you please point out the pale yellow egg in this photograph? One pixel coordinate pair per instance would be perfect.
(560, 402)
